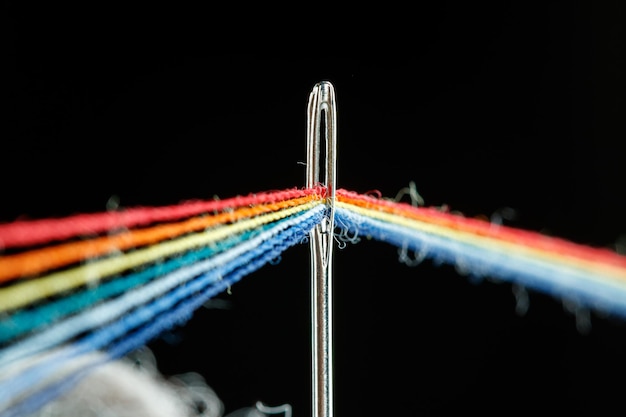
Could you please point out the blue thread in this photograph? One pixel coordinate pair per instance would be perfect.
(109, 311)
(26, 321)
(232, 272)
(41, 398)
(558, 280)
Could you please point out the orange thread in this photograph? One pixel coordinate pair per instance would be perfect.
(40, 260)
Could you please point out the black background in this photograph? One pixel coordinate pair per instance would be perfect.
(483, 106)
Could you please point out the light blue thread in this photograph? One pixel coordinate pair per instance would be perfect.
(286, 234)
(29, 320)
(560, 281)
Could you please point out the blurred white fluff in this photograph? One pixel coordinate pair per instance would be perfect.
(133, 387)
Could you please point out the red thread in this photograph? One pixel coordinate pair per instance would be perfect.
(374, 193)
(32, 232)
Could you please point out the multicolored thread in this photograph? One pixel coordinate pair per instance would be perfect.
(111, 282)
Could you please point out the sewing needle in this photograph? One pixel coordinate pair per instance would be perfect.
(322, 122)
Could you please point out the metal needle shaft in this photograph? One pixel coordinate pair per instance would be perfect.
(322, 122)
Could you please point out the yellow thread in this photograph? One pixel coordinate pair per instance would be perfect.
(27, 292)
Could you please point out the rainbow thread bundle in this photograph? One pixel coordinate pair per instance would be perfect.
(77, 292)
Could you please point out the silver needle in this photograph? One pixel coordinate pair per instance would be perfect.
(322, 122)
